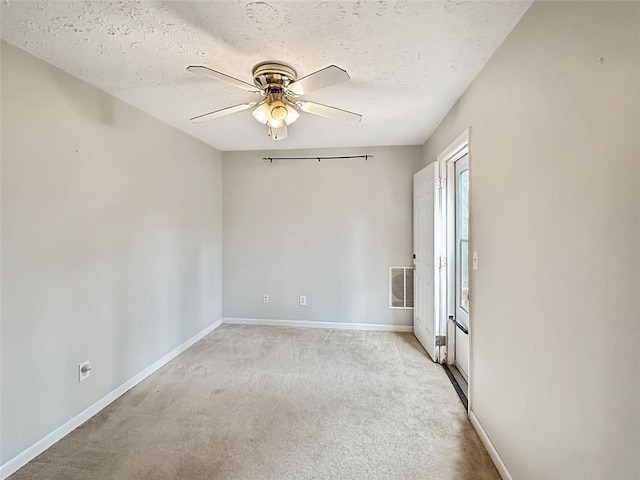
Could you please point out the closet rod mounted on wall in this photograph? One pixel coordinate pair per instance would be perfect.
(271, 159)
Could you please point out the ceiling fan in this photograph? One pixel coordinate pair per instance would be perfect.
(281, 88)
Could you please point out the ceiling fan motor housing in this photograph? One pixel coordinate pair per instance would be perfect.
(271, 75)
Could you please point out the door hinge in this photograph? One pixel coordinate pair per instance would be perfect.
(439, 182)
(442, 262)
(441, 341)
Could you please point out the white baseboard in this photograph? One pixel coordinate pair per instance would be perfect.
(307, 324)
(41, 445)
(493, 453)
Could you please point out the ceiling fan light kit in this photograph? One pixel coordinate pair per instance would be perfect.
(275, 112)
(278, 83)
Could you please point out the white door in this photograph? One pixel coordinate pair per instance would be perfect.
(425, 212)
(462, 265)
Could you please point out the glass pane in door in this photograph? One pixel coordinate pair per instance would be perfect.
(462, 232)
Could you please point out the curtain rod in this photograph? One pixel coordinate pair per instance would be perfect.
(271, 159)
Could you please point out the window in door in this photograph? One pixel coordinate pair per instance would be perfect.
(462, 232)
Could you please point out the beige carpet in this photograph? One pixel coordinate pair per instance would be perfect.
(253, 403)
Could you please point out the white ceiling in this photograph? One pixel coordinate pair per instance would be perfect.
(409, 61)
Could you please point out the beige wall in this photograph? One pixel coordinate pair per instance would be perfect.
(328, 230)
(111, 244)
(555, 217)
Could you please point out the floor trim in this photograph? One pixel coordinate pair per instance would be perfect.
(308, 324)
(493, 453)
(41, 445)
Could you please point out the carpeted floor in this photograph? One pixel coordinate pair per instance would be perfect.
(253, 403)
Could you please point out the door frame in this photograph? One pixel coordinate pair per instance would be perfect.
(446, 161)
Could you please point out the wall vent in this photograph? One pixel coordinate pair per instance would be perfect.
(401, 287)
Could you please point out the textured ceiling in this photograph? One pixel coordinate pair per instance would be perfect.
(408, 60)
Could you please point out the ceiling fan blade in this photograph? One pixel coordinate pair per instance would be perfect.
(221, 113)
(315, 81)
(329, 112)
(279, 133)
(223, 77)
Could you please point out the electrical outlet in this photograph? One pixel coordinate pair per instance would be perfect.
(265, 298)
(84, 370)
(303, 300)
(475, 260)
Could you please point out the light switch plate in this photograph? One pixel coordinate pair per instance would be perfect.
(474, 260)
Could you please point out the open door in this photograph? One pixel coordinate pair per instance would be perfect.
(426, 318)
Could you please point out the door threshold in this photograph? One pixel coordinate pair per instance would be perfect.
(458, 382)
